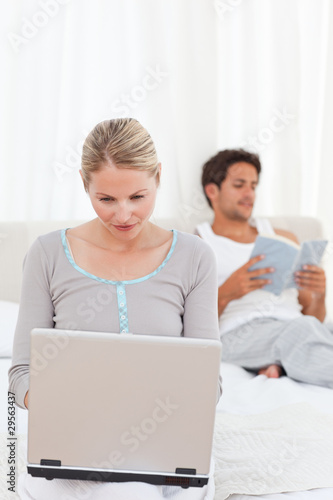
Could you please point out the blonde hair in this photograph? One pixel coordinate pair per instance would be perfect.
(122, 141)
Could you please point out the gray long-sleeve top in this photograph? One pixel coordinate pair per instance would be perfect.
(178, 299)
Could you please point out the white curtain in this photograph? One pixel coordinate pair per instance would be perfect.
(276, 63)
(200, 75)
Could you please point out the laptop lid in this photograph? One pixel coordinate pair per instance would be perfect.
(114, 407)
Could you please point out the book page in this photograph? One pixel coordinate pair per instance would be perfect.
(283, 239)
(278, 254)
(311, 253)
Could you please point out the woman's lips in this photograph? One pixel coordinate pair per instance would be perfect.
(124, 228)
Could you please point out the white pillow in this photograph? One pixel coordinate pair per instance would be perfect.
(8, 319)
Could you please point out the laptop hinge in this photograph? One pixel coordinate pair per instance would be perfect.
(51, 463)
(180, 470)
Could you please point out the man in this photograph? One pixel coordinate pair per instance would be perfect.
(261, 331)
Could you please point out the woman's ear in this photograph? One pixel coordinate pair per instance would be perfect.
(158, 174)
(84, 185)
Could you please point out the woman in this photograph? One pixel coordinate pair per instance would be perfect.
(118, 272)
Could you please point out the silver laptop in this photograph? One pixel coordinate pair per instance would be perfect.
(111, 407)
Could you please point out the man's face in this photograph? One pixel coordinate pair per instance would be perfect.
(236, 195)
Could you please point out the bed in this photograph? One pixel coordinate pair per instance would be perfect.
(273, 438)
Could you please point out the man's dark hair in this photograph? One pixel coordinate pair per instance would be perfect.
(216, 168)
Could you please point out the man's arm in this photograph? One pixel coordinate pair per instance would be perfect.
(312, 286)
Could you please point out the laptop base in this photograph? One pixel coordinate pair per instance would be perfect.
(120, 477)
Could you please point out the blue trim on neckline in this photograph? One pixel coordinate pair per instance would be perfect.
(110, 282)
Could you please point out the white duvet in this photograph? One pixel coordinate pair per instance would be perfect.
(273, 436)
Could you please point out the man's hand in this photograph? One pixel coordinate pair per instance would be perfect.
(312, 279)
(240, 283)
(312, 290)
(26, 399)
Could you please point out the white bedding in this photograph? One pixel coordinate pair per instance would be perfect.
(288, 424)
(299, 413)
(284, 450)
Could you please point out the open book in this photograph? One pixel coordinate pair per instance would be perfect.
(286, 257)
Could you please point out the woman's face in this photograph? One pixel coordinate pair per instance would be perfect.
(123, 199)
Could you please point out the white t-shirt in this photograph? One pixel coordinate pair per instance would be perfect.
(230, 256)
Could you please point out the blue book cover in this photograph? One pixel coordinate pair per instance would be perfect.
(286, 257)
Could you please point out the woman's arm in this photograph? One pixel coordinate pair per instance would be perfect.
(200, 311)
(36, 310)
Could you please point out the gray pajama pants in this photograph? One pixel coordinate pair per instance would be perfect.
(302, 346)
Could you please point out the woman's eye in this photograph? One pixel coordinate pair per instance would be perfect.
(105, 199)
(137, 197)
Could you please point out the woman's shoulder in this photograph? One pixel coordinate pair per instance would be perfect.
(48, 244)
(44, 249)
(58, 236)
(191, 239)
(84, 230)
(194, 243)
(47, 239)
(195, 255)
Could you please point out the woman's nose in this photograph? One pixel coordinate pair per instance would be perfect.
(123, 213)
